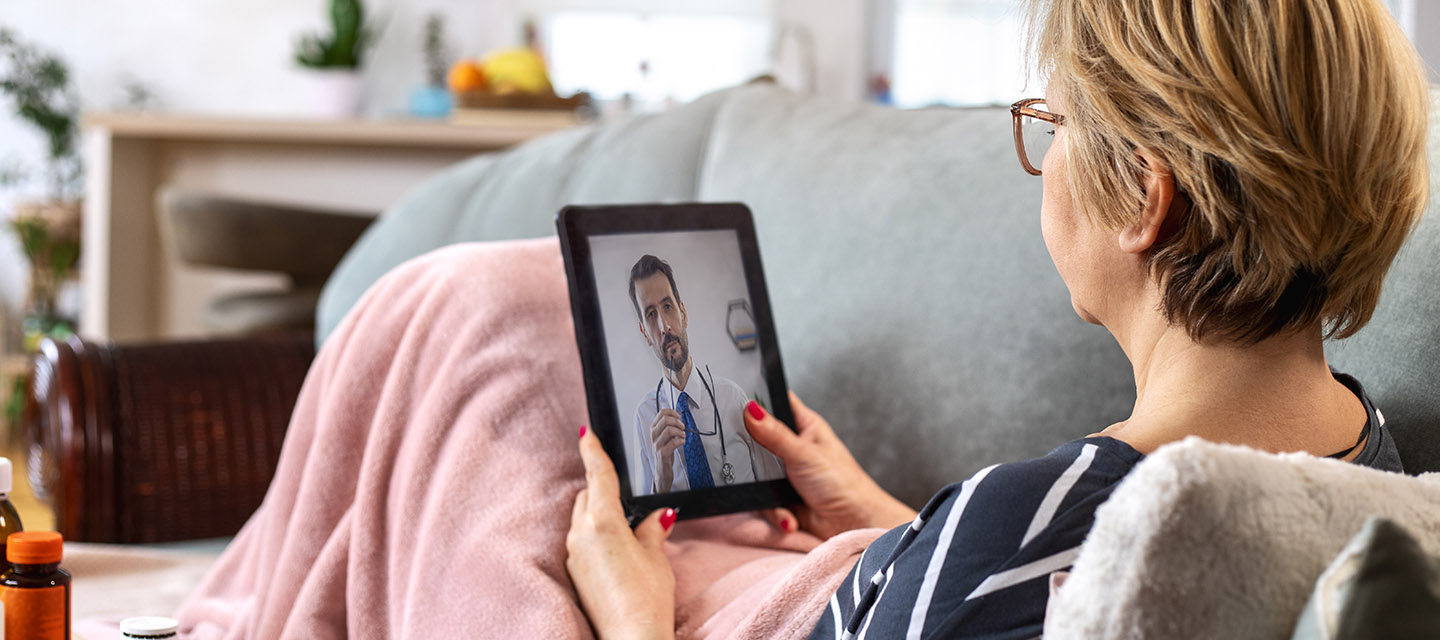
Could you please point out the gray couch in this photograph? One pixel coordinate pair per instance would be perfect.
(915, 303)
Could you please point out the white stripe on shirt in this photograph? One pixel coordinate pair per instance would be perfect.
(889, 573)
(860, 566)
(1025, 572)
(942, 546)
(1048, 506)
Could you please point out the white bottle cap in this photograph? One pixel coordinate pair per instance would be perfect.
(149, 627)
(5, 481)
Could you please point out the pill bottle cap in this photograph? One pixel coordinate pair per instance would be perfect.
(34, 547)
(5, 472)
(149, 627)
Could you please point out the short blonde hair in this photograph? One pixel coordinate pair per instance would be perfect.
(1296, 128)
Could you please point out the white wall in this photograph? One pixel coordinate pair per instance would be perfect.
(1427, 35)
(839, 30)
(216, 57)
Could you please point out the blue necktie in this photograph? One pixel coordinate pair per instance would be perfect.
(696, 464)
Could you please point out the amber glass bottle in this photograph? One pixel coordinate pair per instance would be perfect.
(36, 591)
(9, 518)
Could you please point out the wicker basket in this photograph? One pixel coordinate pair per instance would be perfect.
(159, 442)
(488, 100)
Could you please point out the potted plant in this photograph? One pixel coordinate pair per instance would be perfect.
(433, 99)
(333, 60)
(37, 83)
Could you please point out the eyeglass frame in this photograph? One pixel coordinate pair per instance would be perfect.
(1019, 111)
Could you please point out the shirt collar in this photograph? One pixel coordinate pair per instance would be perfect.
(691, 385)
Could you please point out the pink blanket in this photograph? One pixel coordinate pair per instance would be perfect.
(426, 481)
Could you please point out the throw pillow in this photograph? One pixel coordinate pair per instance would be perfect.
(1382, 585)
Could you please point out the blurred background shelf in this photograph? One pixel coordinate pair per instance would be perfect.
(360, 132)
(132, 289)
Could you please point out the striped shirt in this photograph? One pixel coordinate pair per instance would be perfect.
(976, 560)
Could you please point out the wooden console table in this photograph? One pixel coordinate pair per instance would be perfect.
(132, 289)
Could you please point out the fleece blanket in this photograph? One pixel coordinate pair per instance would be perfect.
(1205, 540)
(426, 482)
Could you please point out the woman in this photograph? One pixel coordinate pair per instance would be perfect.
(1227, 186)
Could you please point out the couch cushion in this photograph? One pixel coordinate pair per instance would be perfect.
(916, 305)
(915, 302)
(516, 194)
(1382, 585)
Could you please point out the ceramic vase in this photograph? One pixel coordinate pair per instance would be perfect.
(334, 93)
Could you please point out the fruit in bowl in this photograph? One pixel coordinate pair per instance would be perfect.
(465, 75)
(513, 78)
(516, 70)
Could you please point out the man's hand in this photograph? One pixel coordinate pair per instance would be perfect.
(839, 495)
(667, 433)
(623, 577)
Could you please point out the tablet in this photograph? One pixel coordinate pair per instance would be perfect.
(674, 328)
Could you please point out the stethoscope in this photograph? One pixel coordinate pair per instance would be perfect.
(727, 471)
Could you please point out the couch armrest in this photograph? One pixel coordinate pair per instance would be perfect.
(159, 442)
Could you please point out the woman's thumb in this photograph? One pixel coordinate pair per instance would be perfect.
(770, 432)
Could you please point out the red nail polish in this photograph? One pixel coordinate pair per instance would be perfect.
(667, 519)
(755, 411)
(582, 430)
(787, 525)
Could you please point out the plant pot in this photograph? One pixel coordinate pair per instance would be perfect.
(334, 93)
(62, 217)
(430, 102)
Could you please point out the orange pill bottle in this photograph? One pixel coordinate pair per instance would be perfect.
(35, 591)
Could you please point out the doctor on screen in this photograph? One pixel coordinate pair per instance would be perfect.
(689, 425)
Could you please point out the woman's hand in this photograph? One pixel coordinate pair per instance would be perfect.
(623, 577)
(839, 495)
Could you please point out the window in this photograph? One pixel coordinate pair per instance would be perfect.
(656, 58)
(971, 52)
(957, 52)
(1404, 11)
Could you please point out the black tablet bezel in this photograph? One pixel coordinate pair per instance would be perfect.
(575, 225)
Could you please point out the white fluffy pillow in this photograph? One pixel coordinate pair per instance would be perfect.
(1217, 541)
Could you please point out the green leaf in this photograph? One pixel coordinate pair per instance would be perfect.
(33, 237)
(37, 83)
(15, 403)
(345, 44)
(64, 256)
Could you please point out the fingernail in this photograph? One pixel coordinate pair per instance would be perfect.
(787, 525)
(667, 519)
(582, 430)
(755, 411)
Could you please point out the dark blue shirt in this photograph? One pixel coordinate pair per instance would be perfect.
(975, 562)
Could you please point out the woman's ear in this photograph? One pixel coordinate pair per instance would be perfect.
(1155, 216)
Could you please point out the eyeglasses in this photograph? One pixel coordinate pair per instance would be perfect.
(1034, 131)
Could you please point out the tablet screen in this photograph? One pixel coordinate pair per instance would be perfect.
(681, 339)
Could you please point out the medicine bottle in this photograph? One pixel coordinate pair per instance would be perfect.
(9, 518)
(150, 628)
(36, 591)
